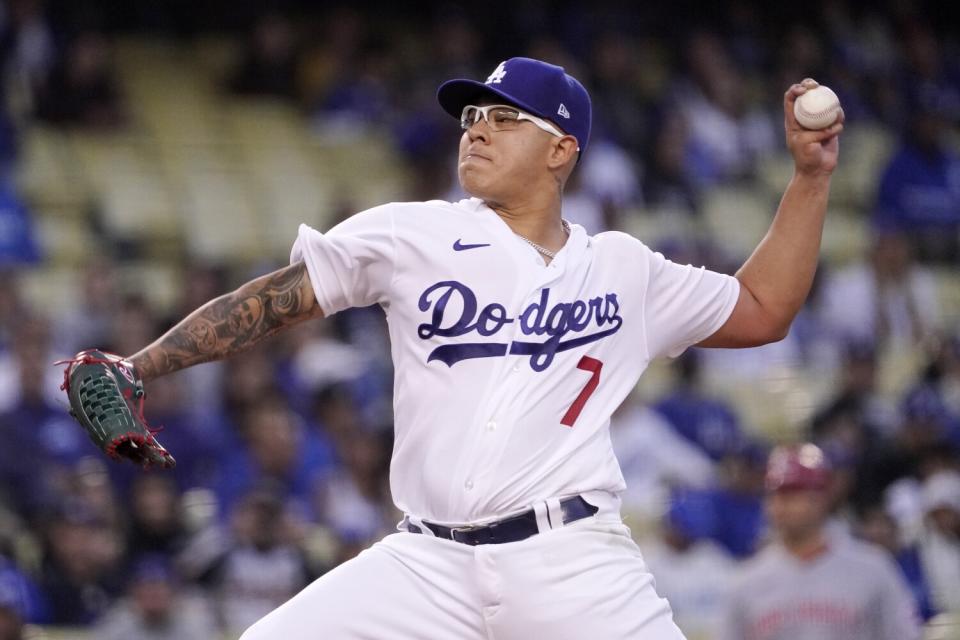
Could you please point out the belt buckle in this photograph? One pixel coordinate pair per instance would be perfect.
(466, 529)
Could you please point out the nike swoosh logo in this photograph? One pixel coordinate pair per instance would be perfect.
(458, 246)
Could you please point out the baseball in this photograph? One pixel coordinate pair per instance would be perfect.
(817, 109)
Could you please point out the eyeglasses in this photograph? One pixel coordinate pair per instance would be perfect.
(500, 117)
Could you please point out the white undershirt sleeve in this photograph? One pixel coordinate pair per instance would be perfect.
(351, 265)
(685, 305)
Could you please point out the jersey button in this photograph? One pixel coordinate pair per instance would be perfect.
(516, 367)
(468, 484)
(491, 426)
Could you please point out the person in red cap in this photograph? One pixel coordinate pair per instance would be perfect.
(811, 583)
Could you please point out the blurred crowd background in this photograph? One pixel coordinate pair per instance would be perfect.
(155, 155)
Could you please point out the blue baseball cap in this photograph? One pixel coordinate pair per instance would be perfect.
(540, 88)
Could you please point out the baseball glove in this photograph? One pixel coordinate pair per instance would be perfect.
(106, 398)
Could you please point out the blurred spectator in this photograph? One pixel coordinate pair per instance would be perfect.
(269, 64)
(254, 567)
(133, 324)
(925, 435)
(857, 421)
(88, 321)
(902, 477)
(582, 207)
(336, 414)
(599, 191)
(706, 422)
(81, 566)
(803, 54)
(926, 400)
(621, 112)
(201, 282)
(88, 483)
(737, 501)
(81, 90)
(36, 424)
(653, 459)
(929, 71)
(857, 402)
(201, 384)
(355, 502)
(877, 526)
(26, 55)
(919, 192)
(156, 520)
(323, 360)
(248, 377)
(943, 372)
(667, 185)
(810, 583)
(156, 608)
(339, 35)
(357, 101)
(279, 449)
(727, 134)
(886, 300)
(454, 44)
(834, 52)
(34, 379)
(940, 540)
(366, 330)
(692, 572)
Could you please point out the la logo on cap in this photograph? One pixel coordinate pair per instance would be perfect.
(497, 74)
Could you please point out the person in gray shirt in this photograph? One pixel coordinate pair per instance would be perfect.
(157, 608)
(812, 583)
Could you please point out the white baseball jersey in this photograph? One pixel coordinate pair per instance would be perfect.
(507, 369)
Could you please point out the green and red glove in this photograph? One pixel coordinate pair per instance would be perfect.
(106, 398)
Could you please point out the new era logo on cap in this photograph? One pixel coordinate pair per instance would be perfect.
(540, 88)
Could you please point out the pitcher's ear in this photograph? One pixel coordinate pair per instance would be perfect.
(564, 150)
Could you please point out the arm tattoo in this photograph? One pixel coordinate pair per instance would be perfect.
(232, 323)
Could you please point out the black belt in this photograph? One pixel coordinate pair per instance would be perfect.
(512, 529)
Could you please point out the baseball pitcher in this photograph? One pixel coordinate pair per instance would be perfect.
(514, 336)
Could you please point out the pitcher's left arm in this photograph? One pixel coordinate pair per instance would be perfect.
(776, 278)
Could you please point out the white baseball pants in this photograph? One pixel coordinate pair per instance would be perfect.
(586, 580)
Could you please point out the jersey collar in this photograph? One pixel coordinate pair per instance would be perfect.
(576, 244)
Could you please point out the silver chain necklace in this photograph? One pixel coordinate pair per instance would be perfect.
(542, 250)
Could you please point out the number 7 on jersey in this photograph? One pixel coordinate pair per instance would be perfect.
(592, 366)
